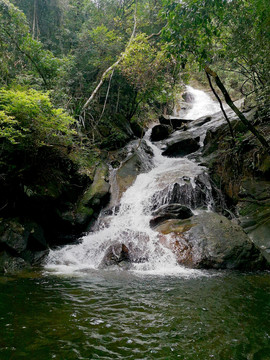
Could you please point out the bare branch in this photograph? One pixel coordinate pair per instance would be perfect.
(113, 66)
(240, 115)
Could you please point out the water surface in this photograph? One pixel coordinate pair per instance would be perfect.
(122, 315)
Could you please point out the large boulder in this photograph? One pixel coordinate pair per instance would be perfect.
(180, 145)
(92, 200)
(199, 122)
(115, 254)
(170, 211)
(21, 244)
(160, 132)
(138, 160)
(10, 264)
(127, 252)
(209, 240)
(18, 235)
(194, 194)
(13, 235)
(254, 210)
(174, 122)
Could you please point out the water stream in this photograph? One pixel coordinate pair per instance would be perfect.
(130, 225)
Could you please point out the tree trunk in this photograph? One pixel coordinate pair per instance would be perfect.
(112, 67)
(221, 106)
(241, 116)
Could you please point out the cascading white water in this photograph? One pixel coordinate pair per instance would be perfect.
(202, 105)
(130, 226)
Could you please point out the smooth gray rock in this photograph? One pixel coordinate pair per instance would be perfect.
(254, 210)
(174, 122)
(170, 211)
(188, 97)
(209, 240)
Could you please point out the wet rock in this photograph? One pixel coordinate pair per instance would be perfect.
(188, 97)
(34, 257)
(36, 238)
(216, 135)
(10, 264)
(201, 121)
(93, 199)
(128, 252)
(209, 240)
(174, 122)
(181, 145)
(14, 235)
(160, 132)
(196, 194)
(170, 211)
(137, 161)
(254, 210)
(24, 242)
(115, 254)
(137, 129)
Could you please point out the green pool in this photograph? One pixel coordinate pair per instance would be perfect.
(120, 315)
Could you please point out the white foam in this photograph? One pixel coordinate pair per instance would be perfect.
(130, 226)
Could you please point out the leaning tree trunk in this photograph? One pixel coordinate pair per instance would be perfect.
(221, 106)
(241, 116)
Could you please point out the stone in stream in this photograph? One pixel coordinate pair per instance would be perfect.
(188, 97)
(181, 145)
(21, 244)
(137, 161)
(115, 254)
(195, 194)
(174, 122)
(124, 254)
(201, 121)
(160, 132)
(11, 264)
(209, 240)
(170, 211)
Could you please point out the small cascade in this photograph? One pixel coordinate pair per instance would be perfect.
(196, 193)
(202, 105)
(124, 238)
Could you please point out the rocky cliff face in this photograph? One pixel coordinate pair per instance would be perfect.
(51, 212)
(242, 172)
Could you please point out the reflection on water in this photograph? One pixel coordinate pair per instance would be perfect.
(120, 315)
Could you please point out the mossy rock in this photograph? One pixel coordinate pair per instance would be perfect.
(93, 199)
(10, 264)
(14, 235)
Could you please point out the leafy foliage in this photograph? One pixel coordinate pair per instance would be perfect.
(28, 55)
(28, 118)
(231, 35)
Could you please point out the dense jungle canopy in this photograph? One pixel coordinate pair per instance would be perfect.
(77, 76)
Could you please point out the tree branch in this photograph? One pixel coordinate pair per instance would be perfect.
(221, 106)
(28, 56)
(113, 66)
(241, 116)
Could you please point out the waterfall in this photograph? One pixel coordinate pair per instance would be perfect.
(129, 228)
(202, 105)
